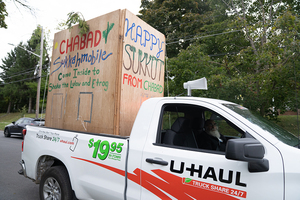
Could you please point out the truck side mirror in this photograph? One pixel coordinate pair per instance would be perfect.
(249, 150)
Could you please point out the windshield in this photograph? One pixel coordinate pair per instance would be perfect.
(269, 126)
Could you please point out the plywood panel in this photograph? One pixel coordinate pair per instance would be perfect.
(87, 64)
(85, 106)
(56, 112)
(142, 68)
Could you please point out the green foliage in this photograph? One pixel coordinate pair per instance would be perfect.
(23, 111)
(268, 67)
(179, 20)
(74, 18)
(248, 50)
(34, 45)
(19, 84)
(289, 123)
(190, 64)
(3, 11)
(3, 14)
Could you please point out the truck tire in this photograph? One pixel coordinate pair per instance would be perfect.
(55, 184)
(6, 133)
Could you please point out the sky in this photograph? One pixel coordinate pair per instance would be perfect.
(21, 23)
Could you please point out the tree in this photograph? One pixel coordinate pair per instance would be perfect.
(179, 20)
(265, 65)
(10, 95)
(73, 18)
(35, 45)
(249, 57)
(248, 50)
(4, 13)
(18, 72)
(8, 91)
(187, 23)
(190, 64)
(17, 68)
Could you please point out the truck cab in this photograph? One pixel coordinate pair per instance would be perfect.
(174, 164)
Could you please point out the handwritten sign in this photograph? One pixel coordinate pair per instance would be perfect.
(119, 62)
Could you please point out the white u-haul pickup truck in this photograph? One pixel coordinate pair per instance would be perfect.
(162, 158)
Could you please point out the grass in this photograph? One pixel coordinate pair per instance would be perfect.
(6, 119)
(289, 123)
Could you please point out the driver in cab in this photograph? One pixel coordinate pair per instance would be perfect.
(211, 138)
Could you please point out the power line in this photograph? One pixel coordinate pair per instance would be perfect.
(2, 76)
(19, 74)
(22, 80)
(183, 23)
(19, 81)
(222, 54)
(194, 38)
(191, 38)
(210, 17)
(219, 30)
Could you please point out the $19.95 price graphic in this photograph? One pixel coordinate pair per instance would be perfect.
(103, 148)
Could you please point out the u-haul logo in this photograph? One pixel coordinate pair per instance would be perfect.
(208, 173)
(164, 184)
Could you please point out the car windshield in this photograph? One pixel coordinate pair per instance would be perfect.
(19, 121)
(39, 122)
(269, 126)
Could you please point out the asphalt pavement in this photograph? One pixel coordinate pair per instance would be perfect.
(12, 185)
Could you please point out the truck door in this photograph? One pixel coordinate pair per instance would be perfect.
(175, 166)
(97, 166)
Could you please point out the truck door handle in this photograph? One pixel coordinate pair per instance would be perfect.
(159, 162)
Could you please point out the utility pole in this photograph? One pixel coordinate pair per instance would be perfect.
(39, 77)
(39, 74)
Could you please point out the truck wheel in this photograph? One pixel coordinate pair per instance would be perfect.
(6, 133)
(55, 184)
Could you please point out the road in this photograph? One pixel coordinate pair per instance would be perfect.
(12, 185)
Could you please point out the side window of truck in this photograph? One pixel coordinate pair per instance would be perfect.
(224, 126)
(169, 119)
(185, 126)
